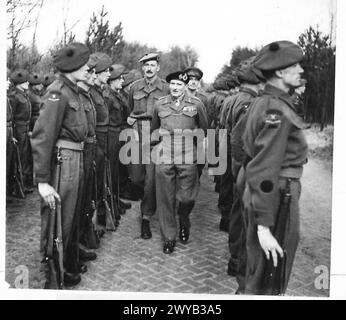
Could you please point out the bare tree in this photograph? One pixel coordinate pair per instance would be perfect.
(20, 12)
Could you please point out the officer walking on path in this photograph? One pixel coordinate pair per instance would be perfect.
(276, 151)
(142, 97)
(177, 181)
(60, 132)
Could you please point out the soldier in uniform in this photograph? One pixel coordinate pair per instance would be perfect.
(9, 138)
(102, 65)
(142, 96)
(48, 79)
(252, 81)
(276, 151)
(60, 131)
(118, 114)
(177, 183)
(35, 93)
(128, 190)
(194, 86)
(89, 198)
(22, 113)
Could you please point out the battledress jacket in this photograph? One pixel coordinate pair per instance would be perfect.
(276, 147)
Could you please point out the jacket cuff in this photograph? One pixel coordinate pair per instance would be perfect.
(263, 218)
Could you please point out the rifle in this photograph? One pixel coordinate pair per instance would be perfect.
(55, 254)
(18, 172)
(110, 218)
(274, 278)
(114, 206)
(92, 227)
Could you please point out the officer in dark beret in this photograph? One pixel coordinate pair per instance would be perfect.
(276, 151)
(118, 114)
(177, 181)
(142, 96)
(59, 134)
(22, 115)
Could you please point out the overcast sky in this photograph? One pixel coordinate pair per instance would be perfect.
(213, 27)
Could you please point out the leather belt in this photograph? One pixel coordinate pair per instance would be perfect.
(65, 144)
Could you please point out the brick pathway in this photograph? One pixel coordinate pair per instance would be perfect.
(128, 263)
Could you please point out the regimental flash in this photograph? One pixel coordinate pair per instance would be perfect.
(273, 120)
(53, 97)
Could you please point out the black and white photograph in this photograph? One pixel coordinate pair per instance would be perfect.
(170, 147)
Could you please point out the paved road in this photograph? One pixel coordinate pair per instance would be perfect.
(128, 263)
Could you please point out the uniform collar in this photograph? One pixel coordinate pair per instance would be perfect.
(151, 85)
(280, 94)
(69, 83)
(248, 90)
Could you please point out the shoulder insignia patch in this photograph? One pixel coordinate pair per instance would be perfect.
(273, 118)
(54, 97)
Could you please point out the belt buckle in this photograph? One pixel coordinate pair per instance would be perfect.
(82, 144)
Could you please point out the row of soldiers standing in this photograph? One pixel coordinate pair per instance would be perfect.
(75, 126)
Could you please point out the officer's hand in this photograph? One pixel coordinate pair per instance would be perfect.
(14, 140)
(269, 244)
(29, 133)
(48, 194)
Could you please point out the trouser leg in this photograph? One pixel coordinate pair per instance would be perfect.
(148, 204)
(187, 190)
(226, 190)
(70, 191)
(165, 176)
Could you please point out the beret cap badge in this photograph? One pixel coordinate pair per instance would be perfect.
(274, 46)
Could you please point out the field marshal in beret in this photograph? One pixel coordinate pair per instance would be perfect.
(59, 135)
(177, 183)
(276, 152)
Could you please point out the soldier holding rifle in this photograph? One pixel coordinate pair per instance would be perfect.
(58, 142)
(276, 151)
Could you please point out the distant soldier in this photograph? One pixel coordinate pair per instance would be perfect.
(118, 114)
(35, 95)
(298, 98)
(194, 86)
(252, 81)
(103, 63)
(142, 97)
(276, 151)
(87, 235)
(48, 79)
(128, 190)
(59, 134)
(22, 114)
(9, 138)
(177, 183)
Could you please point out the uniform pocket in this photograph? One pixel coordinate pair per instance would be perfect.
(74, 105)
(67, 171)
(190, 113)
(164, 114)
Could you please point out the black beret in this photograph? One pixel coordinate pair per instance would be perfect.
(19, 76)
(131, 76)
(71, 57)
(250, 74)
(35, 78)
(278, 55)
(102, 61)
(150, 56)
(178, 75)
(116, 70)
(48, 79)
(194, 72)
(221, 84)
